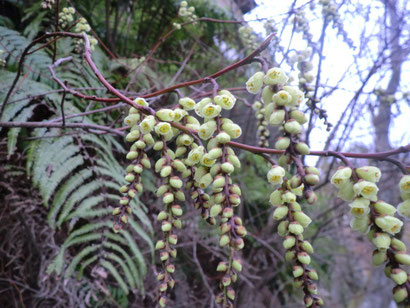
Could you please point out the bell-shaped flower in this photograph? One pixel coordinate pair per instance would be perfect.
(341, 176)
(275, 76)
(187, 103)
(201, 104)
(165, 114)
(389, 224)
(276, 174)
(163, 128)
(297, 96)
(282, 98)
(277, 117)
(179, 114)
(267, 94)
(147, 125)
(195, 155)
(210, 111)
(359, 207)
(404, 184)
(276, 198)
(404, 208)
(346, 191)
(232, 129)
(255, 83)
(360, 224)
(206, 130)
(382, 207)
(369, 173)
(366, 189)
(141, 101)
(225, 101)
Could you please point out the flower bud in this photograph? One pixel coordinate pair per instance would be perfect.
(205, 181)
(369, 173)
(312, 274)
(223, 138)
(397, 245)
(132, 136)
(312, 179)
(382, 207)
(254, 84)
(398, 276)
(222, 267)
(232, 129)
(267, 94)
(295, 228)
(166, 226)
(379, 257)
(283, 228)
(292, 127)
(160, 245)
(224, 240)
(276, 198)
(162, 216)
(306, 246)
(227, 212)
(400, 294)
(231, 294)
(277, 117)
(288, 197)
(346, 191)
(360, 224)
(310, 196)
(402, 257)
(216, 209)
(302, 148)
(303, 258)
(289, 242)
(381, 240)
(404, 208)
(297, 271)
(176, 210)
(168, 198)
(280, 212)
(165, 171)
(165, 114)
(129, 177)
(298, 116)
(237, 265)
(282, 143)
(131, 119)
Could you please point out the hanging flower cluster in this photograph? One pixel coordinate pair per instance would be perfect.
(66, 16)
(247, 37)
(376, 219)
(281, 103)
(262, 132)
(141, 138)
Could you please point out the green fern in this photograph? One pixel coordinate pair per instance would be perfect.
(13, 43)
(80, 192)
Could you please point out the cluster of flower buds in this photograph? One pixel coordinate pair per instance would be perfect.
(302, 25)
(305, 66)
(47, 4)
(293, 221)
(376, 219)
(214, 165)
(141, 139)
(281, 103)
(404, 185)
(247, 37)
(83, 27)
(262, 132)
(168, 167)
(66, 16)
(330, 12)
(187, 12)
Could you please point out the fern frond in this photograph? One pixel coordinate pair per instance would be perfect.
(116, 275)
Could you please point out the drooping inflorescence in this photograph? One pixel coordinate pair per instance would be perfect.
(376, 219)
